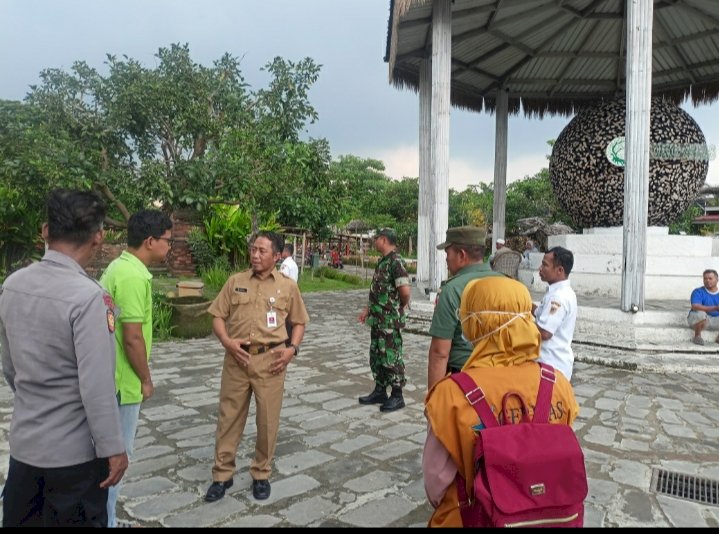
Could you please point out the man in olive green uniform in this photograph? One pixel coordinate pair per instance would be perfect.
(249, 320)
(448, 350)
(386, 314)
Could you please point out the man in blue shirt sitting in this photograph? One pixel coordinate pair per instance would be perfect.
(705, 307)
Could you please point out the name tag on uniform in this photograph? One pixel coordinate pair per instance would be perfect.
(240, 290)
(271, 319)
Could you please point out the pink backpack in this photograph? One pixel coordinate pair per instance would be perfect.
(529, 474)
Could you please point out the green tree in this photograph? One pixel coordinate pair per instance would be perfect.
(473, 206)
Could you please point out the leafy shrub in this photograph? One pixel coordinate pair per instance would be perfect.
(115, 236)
(20, 239)
(327, 272)
(161, 317)
(202, 252)
(215, 275)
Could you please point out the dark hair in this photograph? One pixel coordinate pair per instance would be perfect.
(562, 257)
(710, 271)
(73, 216)
(144, 224)
(278, 242)
(289, 247)
(474, 252)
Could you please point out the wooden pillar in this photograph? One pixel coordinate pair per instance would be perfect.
(304, 253)
(500, 167)
(636, 171)
(439, 186)
(424, 239)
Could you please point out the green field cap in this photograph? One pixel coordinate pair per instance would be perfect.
(389, 233)
(464, 235)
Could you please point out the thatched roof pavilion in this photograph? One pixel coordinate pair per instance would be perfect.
(556, 56)
(549, 57)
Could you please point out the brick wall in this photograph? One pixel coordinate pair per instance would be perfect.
(179, 260)
(102, 258)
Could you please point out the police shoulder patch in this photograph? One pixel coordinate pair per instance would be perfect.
(110, 321)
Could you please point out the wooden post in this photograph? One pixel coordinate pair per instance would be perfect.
(636, 170)
(500, 168)
(424, 206)
(304, 253)
(439, 186)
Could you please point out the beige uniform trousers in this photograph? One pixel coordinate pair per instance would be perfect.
(238, 385)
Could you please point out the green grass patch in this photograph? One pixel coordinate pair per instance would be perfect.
(328, 279)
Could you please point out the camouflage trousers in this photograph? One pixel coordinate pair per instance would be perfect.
(385, 357)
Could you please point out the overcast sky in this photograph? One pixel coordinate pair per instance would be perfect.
(360, 113)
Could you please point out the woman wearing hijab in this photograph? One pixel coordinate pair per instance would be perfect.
(496, 316)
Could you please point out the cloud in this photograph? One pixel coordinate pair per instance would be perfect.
(403, 161)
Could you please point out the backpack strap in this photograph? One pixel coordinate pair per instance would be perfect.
(547, 378)
(475, 397)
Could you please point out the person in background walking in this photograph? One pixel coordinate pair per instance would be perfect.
(58, 356)
(557, 313)
(386, 314)
(129, 282)
(289, 267)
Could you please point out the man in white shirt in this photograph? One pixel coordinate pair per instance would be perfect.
(557, 314)
(289, 267)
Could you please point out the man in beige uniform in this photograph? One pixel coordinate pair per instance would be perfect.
(249, 320)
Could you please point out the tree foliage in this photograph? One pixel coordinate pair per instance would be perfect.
(179, 134)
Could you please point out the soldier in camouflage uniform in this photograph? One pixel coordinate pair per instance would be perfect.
(386, 315)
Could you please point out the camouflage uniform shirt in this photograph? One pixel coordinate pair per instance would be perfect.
(384, 302)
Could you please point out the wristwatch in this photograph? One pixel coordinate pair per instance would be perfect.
(297, 349)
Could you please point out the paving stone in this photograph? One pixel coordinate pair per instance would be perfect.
(379, 512)
(340, 464)
(157, 507)
(147, 487)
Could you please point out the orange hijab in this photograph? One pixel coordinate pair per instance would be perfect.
(496, 316)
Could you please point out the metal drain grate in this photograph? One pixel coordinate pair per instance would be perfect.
(688, 487)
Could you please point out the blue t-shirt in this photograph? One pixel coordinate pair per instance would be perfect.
(701, 296)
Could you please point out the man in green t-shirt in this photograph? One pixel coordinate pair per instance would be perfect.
(448, 350)
(129, 283)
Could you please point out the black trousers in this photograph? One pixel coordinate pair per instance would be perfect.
(55, 497)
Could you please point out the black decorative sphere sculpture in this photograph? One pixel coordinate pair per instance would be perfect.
(587, 164)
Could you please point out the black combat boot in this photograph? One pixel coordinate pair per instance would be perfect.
(395, 401)
(378, 396)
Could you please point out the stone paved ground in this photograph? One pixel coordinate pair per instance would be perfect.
(342, 464)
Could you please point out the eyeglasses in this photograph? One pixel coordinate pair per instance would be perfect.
(170, 241)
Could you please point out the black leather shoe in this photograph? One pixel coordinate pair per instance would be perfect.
(378, 396)
(217, 490)
(395, 402)
(261, 489)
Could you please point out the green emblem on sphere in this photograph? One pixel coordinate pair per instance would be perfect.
(615, 151)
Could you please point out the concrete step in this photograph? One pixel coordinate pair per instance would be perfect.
(662, 330)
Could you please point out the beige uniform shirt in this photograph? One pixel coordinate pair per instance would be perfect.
(245, 301)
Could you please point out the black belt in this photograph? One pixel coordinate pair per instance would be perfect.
(259, 349)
